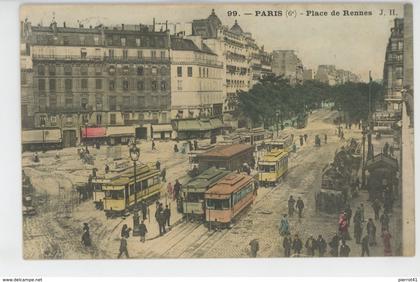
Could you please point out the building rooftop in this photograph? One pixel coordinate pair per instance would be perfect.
(182, 44)
(236, 28)
(227, 150)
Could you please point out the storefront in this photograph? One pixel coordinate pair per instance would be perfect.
(93, 135)
(120, 134)
(42, 139)
(162, 131)
(194, 128)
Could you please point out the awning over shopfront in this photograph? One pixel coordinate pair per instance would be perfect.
(39, 136)
(162, 128)
(199, 125)
(93, 132)
(120, 131)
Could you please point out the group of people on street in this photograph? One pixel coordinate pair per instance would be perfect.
(163, 217)
(302, 139)
(292, 204)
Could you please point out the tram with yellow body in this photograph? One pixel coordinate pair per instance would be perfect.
(283, 143)
(121, 194)
(272, 166)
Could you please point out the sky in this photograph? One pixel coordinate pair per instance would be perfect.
(355, 43)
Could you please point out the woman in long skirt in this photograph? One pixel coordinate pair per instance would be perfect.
(386, 237)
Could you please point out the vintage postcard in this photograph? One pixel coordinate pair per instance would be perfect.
(217, 130)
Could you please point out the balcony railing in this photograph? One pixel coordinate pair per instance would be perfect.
(200, 62)
(135, 59)
(66, 57)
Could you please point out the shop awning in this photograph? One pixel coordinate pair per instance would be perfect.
(120, 131)
(162, 128)
(93, 132)
(39, 136)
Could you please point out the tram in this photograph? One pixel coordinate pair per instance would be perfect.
(228, 198)
(283, 143)
(193, 192)
(121, 195)
(272, 166)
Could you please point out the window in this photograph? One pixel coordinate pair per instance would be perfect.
(52, 85)
(125, 54)
(111, 85)
(154, 70)
(139, 54)
(163, 85)
(123, 41)
(162, 55)
(199, 72)
(162, 70)
(125, 70)
(69, 100)
(179, 71)
(112, 119)
(98, 119)
(85, 118)
(67, 70)
(98, 69)
(41, 70)
(53, 101)
(84, 83)
(190, 72)
(140, 101)
(140, 85)
(51, 70)
(98, 83)
(111, 70)
(140, 70)
(83, 53)
(154, 85)
(68, 84)
(66, 40)
(96, 40)
(179, 85)
(126, 101)
(153, 54)
(207, 72)
(84, 69)
(138, 42)
(111, 53)
(84, 103)
(112, 103)
(125, 85)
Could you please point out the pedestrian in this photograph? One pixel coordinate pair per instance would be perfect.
(161, 219)
(287, 245)
(190, 145)
(291, 205)
(344, 249)
(391, 150)
(144, 208)
(384, 222)
(142, 231)
(94, 172)
(301, 140)
(371, 231)
(163, 174)
(86, 241)
(177, 189)
(153, 145)
(358, 226)
(195, 145)
(310, 246)
(376, 205)
(284, 226)
(305, 136)
(386, 237)
(176, 150)
(125, 231)
(123, 248)
(365, 246)
(167, 214)
(106, 168)
(170, 190)
(385, 149)
(300, 205)
(157, 165)
(255, 247)
(325, 138)
(343, 227)
(321, 246)
(158, 210)
(334, 244)
(348, 212)
(362, 212)
(297, 245)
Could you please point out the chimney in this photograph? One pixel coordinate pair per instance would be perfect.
(64, 24)
(122, 26)
(154, 23)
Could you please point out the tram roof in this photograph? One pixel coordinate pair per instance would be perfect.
(204, 180)
(229, 184)
(273, 156)
(227, 150)
(143, 172)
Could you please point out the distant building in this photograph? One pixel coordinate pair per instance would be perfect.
(308, 74)
(393, 67)
(287, 64)
(330, 75)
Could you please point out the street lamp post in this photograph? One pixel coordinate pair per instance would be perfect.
(134, 155)
(43, 137)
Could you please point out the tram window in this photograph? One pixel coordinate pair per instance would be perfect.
(97, 187)
(144, 184)
(115, 195)
(131, 189)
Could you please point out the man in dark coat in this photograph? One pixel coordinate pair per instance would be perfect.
(255, 247)
(143, 206)
(371, 231)
(142, 231)
(287, 245)
(305, 137)
(384, 222)
(344, 249)
(195, 145)
(376, 205)
(163, 174)
(301, 140)
(123, 247)
(161, 220)
(321, 245)
(334, 243)
(311, 246)
(358, 225)
(365, 246)
(291, 205)
(297, 245)
(158, 165)
(300, 206)
(349, 212)
(177, 189)
(167, 213)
